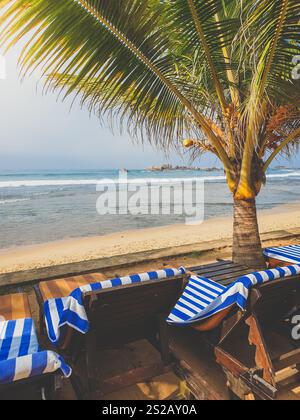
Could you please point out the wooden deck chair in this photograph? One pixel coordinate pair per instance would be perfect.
(282, 256)
(115, 312)
(58, 289)
(258, 347)
(254, 319)
(25, 370)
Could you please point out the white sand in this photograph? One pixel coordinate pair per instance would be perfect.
(75, 250)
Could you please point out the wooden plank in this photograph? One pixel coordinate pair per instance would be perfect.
(287, 360)
(226, 269)
(224, 274)
(210, 271)
(197, 384)
(211, 266)
(160, 388)
(188, 346)
(230, 278)
(228, 362)
(231, 274)
(134, 376)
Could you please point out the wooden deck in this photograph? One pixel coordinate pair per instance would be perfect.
(223, 272)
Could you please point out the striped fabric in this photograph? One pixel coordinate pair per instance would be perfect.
(203, 298)
(17, 338)
(289, 254)
(14, 307)
(32, 365)
(20, 354)
(70, 310)
(60, 288)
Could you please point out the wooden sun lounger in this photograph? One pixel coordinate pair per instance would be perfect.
(122, 315)
(125, 314)
(12, 307)
(252, 347)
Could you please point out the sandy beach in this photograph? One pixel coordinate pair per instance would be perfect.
(82, 249)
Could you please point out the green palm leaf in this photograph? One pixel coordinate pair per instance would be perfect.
(216, 71)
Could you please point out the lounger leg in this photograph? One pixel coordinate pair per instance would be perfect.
(164, 339)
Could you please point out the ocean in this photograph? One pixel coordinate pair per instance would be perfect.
(44, 206)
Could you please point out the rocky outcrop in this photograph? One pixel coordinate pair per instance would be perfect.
(168, 167)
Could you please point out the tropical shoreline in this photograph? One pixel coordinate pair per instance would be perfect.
(68, 251)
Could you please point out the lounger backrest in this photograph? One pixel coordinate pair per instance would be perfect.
(273, 300)
(131, 308)
(289, 254)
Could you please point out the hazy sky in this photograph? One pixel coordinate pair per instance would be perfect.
(38, 132)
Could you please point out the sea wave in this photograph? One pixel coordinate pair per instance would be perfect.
(13, 200)
(69, 182)
(285, 175)
(135, 181)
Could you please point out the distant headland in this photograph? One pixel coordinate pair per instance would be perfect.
(168, 167)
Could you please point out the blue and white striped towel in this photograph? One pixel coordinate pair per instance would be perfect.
(70, 310)
(17, 338)
(20, 354)
(203, 298)
(31, 365)
(289, 254)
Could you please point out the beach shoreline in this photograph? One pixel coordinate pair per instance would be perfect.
(68, 251)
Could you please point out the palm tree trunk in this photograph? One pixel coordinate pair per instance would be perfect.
(247, 247)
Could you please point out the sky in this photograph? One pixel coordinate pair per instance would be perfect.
(40, 132)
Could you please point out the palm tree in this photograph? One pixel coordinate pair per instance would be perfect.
(217, 73)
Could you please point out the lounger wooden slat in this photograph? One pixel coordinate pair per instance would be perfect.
(228, 278)
(63, 287)
(212, 269)
(213, 265)
(233, 272)
(287, 360)
(219, 271)
(14, 306)
(225, 274)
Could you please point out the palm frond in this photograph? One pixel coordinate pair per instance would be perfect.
(219, 72)
(271, 32)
